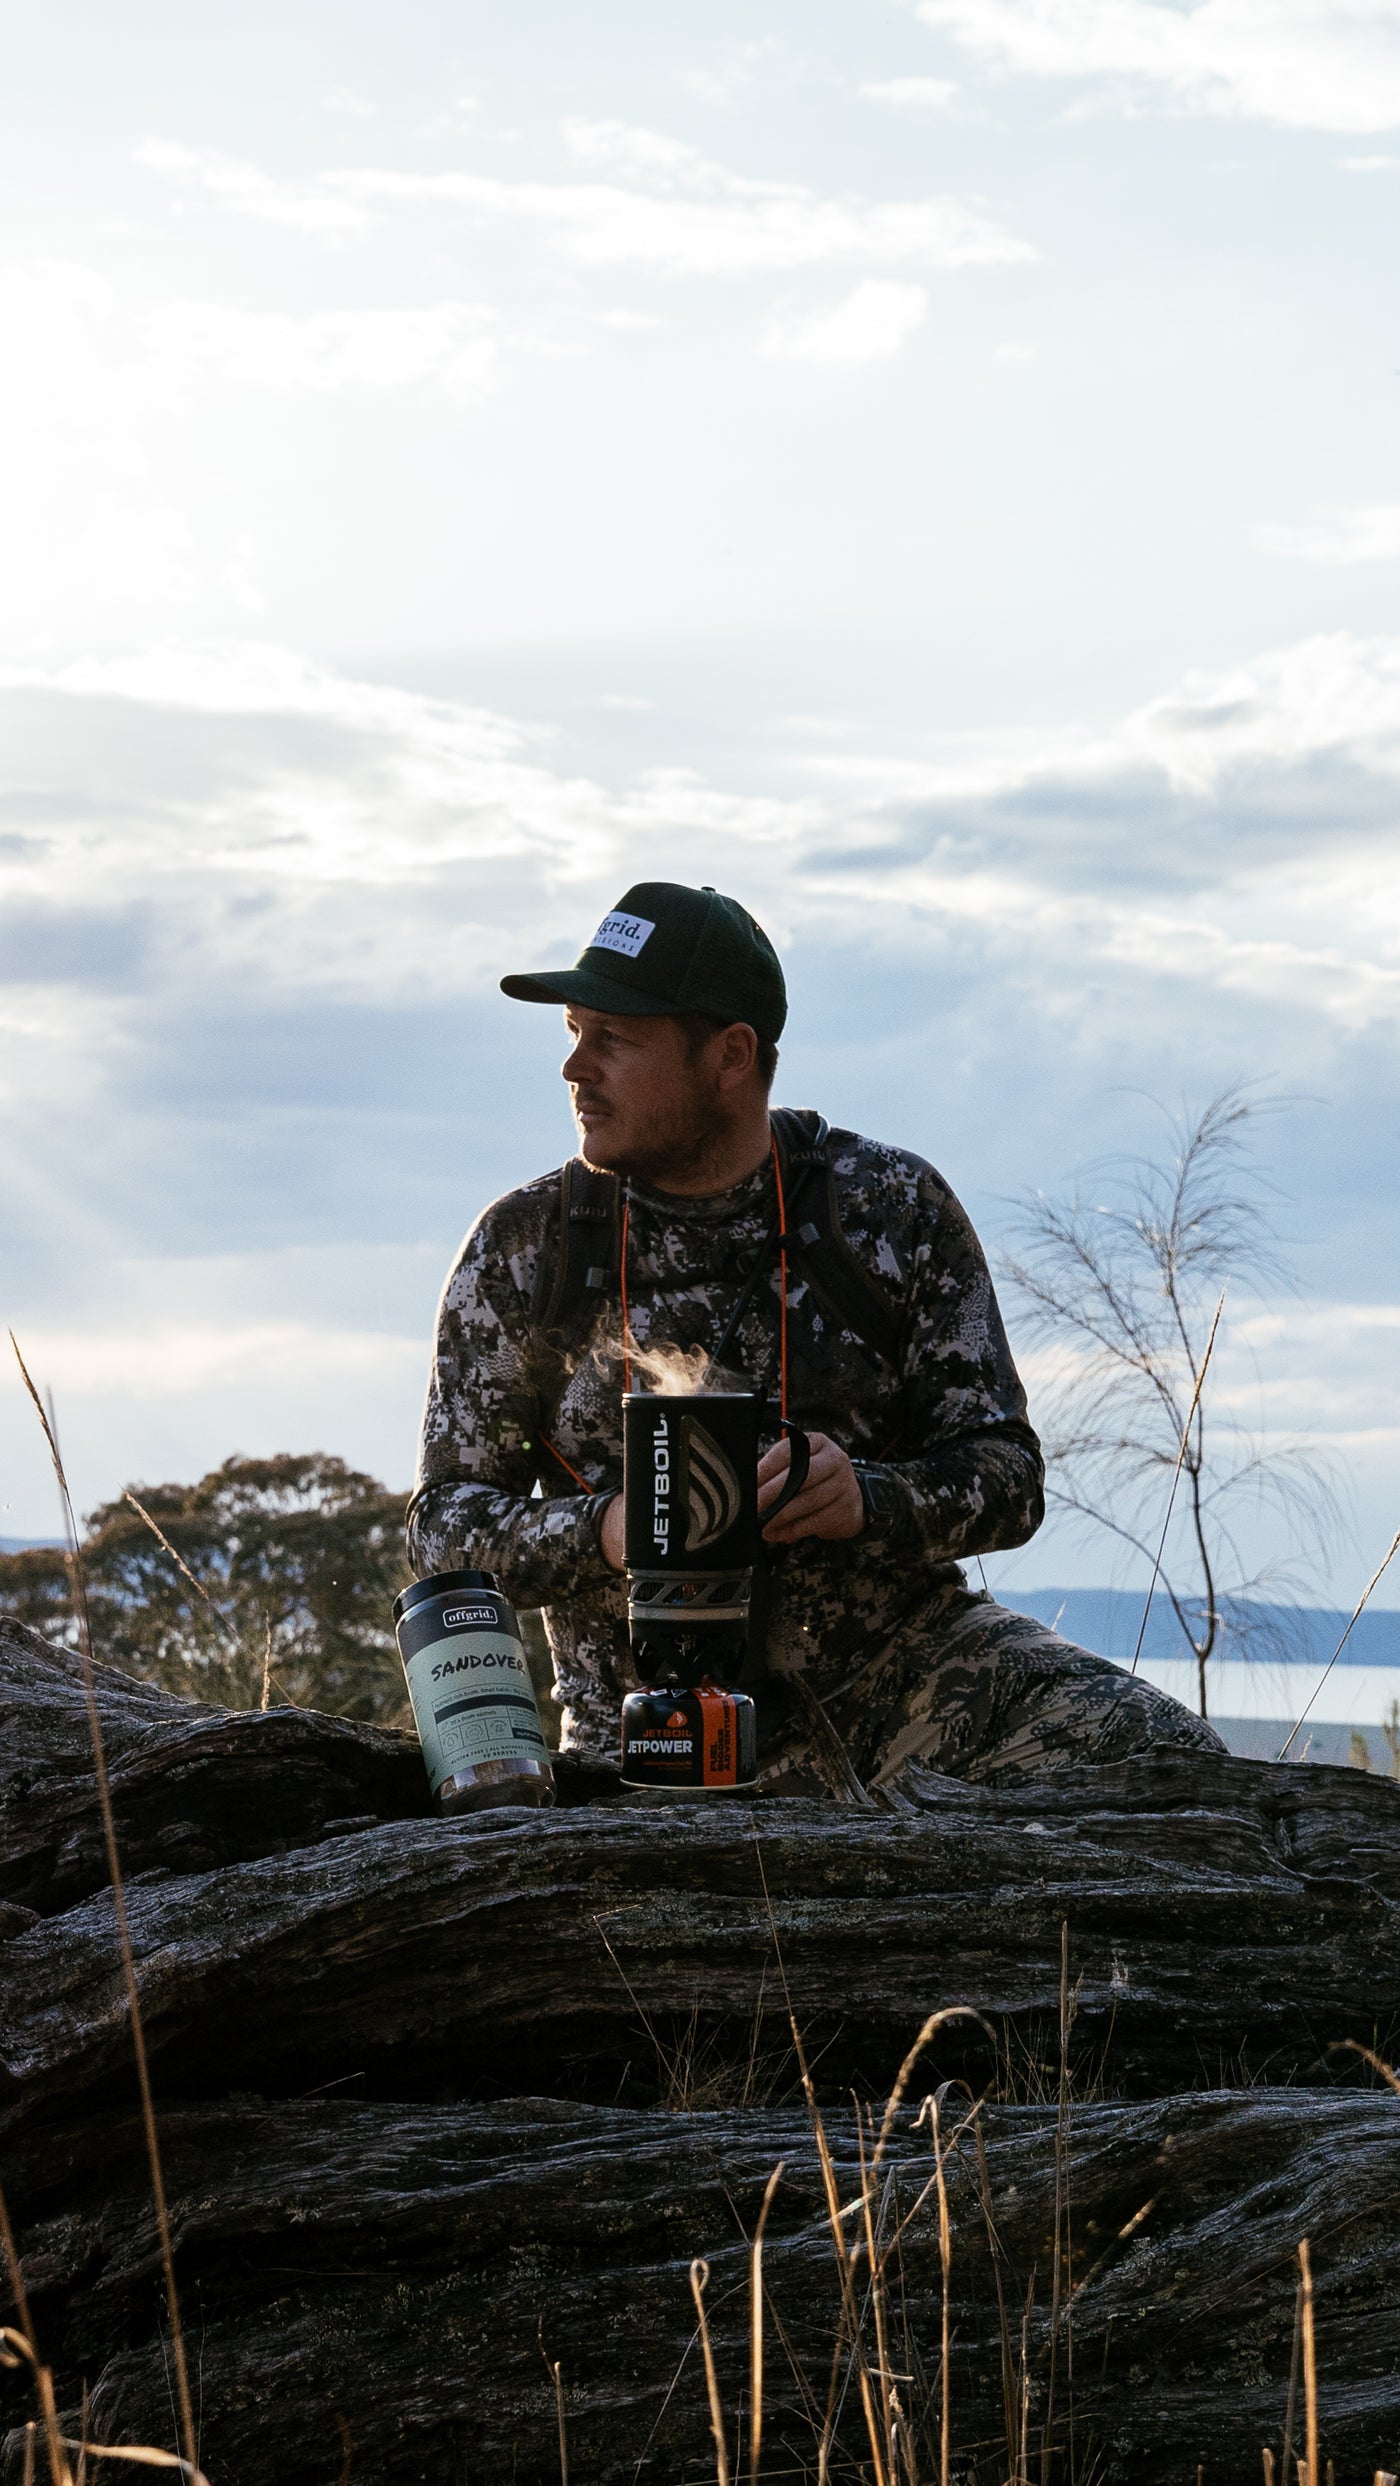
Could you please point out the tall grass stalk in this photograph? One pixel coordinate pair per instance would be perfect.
(1350, 2045)
(557, 2371)
(1373, 1583)
(877, 2301)
(43, 2380)
(995, 2255)
(1023, 2474)
(1062, 2264)
(142, 2454)
(945, 2262)
(78, 1589)
(699, 2281)
(221, 1621)
(1314, 2477)
(1291, 2412)
(756, 2328)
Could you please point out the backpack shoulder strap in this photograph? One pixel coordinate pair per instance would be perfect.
(582, 1267)
(837, 1277)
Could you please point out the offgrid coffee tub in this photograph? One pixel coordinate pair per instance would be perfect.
(474, 1705)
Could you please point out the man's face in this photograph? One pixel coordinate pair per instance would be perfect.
(643, 1103)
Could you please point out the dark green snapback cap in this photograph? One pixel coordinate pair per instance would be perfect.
(665, 948)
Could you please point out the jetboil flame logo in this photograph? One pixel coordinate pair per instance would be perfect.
(712, 1488)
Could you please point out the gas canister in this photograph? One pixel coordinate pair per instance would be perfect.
(474, 1705)
(688, 1740)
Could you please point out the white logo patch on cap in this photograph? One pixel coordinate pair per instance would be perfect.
(627, 934)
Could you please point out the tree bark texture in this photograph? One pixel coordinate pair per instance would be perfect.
(434, 2094)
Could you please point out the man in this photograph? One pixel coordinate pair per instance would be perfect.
(877, 1655)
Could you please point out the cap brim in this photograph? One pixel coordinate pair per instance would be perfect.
(589, 990)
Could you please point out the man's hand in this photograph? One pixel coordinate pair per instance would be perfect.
(612, 1533)
(830, 1503)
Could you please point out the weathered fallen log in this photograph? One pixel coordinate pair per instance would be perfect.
(511, 1951)
(377, 2258)
(192, 1787)
(371, 2285)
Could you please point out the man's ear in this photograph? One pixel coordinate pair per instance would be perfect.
(738, 1054)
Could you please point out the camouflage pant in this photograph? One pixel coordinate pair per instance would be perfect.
(970, 1689)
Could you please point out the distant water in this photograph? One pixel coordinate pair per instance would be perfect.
(1252, 1668)
(1107, 1620)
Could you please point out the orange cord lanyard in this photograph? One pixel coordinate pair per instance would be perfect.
(783, 1314)
(556, 1453)
(626, 1318)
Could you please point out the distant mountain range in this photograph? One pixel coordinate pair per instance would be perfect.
(1108, 1620)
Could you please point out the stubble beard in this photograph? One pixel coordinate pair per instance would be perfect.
(662, 1152)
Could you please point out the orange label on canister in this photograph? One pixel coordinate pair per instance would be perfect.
(721, 1744)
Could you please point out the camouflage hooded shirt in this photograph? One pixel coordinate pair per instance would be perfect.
(947, 1462)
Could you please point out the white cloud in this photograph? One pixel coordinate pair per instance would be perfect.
(1014, 352)
(451, 347)
(721, 85)
(76, 344)
(315, 783)
(1210, 886)
(922, 94)
(84, 515)
(1370, 163)
(649, 155)
(240, 581)
(875, 322)
(680, 213)
(248, 191)
(356, 107)
(151, 1382)
(416, 782)
(1236, 837)
(1307, 64)
(184, 1358)
(1339, 537)
(101, 392)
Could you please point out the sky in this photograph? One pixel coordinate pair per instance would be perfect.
(926, 466)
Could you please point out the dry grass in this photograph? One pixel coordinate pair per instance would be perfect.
(20, 2346)
(699, 2071)
(906, 2416)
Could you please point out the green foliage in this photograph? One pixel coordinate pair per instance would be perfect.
(299, 1559)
